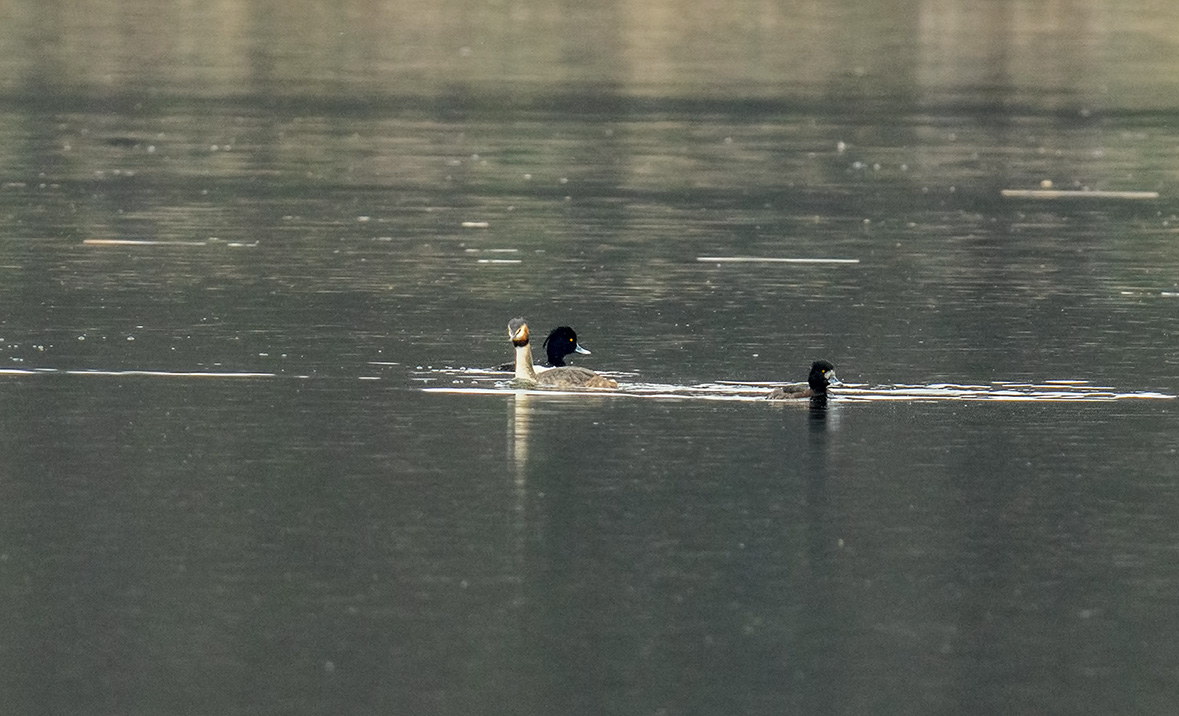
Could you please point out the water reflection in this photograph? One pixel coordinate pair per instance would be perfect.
(317, 197)
(823, 663)
(485, 383)
(519, 430)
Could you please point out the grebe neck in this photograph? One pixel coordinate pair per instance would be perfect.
(524, 369)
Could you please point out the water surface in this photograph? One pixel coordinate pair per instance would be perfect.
(242, 244)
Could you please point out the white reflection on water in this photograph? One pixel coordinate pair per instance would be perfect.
(483, 382)
(488, 382)
(140, 373)
(1071, 391)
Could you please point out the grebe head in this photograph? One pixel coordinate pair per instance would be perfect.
(518, 332)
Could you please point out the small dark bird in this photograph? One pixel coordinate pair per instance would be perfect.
(822, 375)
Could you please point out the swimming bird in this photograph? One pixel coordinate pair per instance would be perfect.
(566, 376)
(822, 375)
(562, 341)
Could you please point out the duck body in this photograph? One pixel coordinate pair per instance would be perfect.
(565, 376)
(822, 375)
(572, 376)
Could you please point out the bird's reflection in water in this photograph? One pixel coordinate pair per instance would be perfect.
(519, 428)
(825, 657)
(824, 416)
(818, 411)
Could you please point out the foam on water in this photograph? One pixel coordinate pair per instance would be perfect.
(490, 382)
(137, 373)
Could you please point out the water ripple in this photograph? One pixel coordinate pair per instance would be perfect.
(490, 382)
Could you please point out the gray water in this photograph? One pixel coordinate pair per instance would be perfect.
(243, 246)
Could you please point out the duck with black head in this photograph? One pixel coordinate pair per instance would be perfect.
(561, 342)
(565, 376)
(822, 375)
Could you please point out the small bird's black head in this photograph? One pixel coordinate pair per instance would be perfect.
(560, 343)
(822, 375)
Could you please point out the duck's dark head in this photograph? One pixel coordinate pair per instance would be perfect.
(822, 375)
(518, 332)
(560, 343)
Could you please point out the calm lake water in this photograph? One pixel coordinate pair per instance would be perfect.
(243, 246)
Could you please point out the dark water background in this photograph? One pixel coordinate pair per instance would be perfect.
(315, 201)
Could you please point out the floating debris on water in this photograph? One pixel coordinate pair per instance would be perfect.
(770, 260)
(1049, 391)
(140, 242)
(212, 241)
(137, 373)
(1076, 194)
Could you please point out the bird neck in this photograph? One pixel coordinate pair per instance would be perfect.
(524, 369)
